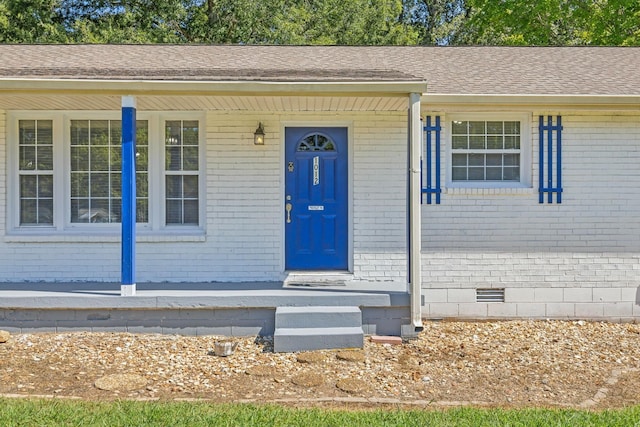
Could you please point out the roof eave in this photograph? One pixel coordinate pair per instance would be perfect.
(530, 99)
(190, 87)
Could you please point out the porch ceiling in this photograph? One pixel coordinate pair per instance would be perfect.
(215, 103)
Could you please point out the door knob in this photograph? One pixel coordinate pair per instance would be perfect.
(288, 208)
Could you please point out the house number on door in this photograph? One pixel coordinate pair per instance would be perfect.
(316, 170)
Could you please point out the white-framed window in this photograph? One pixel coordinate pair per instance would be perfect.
(182, 172)
(65, 171)
(489, 150)
(35, 172)
(95, 175)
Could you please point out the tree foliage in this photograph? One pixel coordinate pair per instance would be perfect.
(328, 22)
(553, 22)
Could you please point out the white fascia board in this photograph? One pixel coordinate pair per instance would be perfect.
(156, 87)
(535, 100)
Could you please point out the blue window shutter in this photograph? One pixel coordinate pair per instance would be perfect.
(553, 182)
(431, 161)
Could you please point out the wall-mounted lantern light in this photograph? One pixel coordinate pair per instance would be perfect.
(258, 135)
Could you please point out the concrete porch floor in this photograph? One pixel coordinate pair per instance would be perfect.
(214, 308)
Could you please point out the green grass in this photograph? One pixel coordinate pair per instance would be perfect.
(31, 412)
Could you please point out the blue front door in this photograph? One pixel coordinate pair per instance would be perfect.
(316, 198)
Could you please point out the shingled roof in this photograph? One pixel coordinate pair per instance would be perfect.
(612, 71)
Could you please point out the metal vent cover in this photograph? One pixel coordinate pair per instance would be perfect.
(490, 295)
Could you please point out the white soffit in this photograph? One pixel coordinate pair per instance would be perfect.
(208, 103)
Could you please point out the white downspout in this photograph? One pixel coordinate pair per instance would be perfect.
(415, 227)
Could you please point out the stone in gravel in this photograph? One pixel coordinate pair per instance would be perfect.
(386, 340)
(352, 385)
(350, 356)
(310, 357)
(260, 371)
(121, 382)
(308, 379)
(4, 336)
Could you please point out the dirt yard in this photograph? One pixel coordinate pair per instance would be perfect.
(509, 364)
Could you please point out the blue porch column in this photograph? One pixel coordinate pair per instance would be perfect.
(128, 286)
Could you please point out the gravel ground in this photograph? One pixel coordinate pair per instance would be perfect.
(515, 363)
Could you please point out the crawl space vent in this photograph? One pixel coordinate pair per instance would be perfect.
(490, 295)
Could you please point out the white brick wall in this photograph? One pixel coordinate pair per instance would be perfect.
(580, 258)
(244, 233)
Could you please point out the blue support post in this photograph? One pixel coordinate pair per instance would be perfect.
(550, 159)
(433, 165)
(559, 159)
(541, 160)
(550, 189)
(128, 286)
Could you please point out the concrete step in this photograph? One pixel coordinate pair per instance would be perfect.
(308, 339)
(317, 327)
(318, 316)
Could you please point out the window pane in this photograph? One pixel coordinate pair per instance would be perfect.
(99, 131)
(494, 159)
(116, 185)
(477, 128)
(79, 184)
(45, 211)
(494, 128)
(28, 158)
(79, 132)
(191, 212)
(80, 210)
(28, 186)
(45, 157)
(174, 212)
(28, 211)
(173, 134)
(174, 186)
(476, 174)
(512, 173)
(459, 128)
(142, 158)
(494, 142)
(142, 133)
(27, 132)
(512, 142)
(173, 160)
(459, 174)
(190, 187)
(116, 133)
(115, 159)
(477, 142)
(512, 128)
(99, 158)
(45, 186)
(190, 159)
(190, 133)
(79, 158)
(142, 185)
(476, 159)
(494, 174)
(142, 211)
(460, 142)
(99, 184)
(459, 160)
(45, 132)
(511, 159)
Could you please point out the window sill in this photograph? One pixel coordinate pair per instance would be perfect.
(489, 189)
(45, 236)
